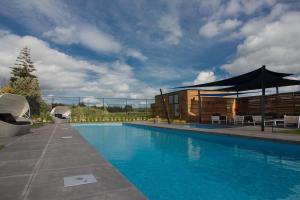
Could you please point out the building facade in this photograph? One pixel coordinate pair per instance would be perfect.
(186, 105)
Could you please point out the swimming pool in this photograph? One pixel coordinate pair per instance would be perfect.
(169, 164)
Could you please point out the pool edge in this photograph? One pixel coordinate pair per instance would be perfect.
(276, 137)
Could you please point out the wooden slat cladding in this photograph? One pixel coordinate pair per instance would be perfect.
(285, 103)
(277, 106)
(189, 106)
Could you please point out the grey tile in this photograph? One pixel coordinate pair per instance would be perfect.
(20, 155)
(11, 188)
(66, 152)
(128, 194)
(7, 140)
(107, 180)
(23, 147)
(101, 172)
(65, 161)
(16, 167)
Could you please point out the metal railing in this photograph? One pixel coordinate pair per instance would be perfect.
(99, 109)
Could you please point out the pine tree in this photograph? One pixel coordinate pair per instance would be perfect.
(24, 83)
(23, 67)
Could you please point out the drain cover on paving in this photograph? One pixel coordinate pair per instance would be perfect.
(79, 180)
(66, 137)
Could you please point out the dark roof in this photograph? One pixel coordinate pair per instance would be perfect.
(256, 84)
(223, 94)
(251, 80)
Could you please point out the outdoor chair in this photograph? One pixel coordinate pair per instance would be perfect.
(14, 115)
(256, 119)
(217, 118)
(239, 119)
(61, 114)
(291, 120)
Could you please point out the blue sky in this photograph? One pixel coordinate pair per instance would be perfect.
(131, 48)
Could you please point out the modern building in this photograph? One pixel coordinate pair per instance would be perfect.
(185, 105)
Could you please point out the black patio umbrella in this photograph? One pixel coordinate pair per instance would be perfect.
(261, 78)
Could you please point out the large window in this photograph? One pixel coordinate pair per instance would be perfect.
(170, 99)
(176, 98)
(174, 104)
(176, 110)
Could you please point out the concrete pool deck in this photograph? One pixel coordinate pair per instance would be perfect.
(245, 131)
(33, 167)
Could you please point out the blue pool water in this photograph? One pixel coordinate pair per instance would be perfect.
(168, 164)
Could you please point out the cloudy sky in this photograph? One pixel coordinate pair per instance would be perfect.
(131, 48)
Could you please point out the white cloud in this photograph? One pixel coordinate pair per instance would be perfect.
(213, 28)
(91, 100)
(231, 10)
(58, 23)
(209, 30)
(170, 25)
(247, 7)
(205, 77)
(85, 35)
(61, 73)
(136, 54)
(254, 24)
(277, 46)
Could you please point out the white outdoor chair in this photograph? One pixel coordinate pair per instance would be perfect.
(215, 119)
(218, 119)
(14, 115)
(256, 119)
(239, 119)
(294, 120)
(61, 114)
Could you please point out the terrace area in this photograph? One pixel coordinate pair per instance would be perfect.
(33, 167)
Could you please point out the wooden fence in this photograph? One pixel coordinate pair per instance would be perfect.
(276, 105)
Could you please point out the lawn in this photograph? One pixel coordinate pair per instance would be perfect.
(293, 131)
(297, 131)
(1, 146)
(38, 125)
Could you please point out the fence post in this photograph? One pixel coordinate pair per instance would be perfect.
(126, 106)
(52, 101)
(146, 108)
(103, 104)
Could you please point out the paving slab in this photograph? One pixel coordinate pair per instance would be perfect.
(11, 188)
(20, 155)
(33, 166)
(16, 167)
(49, 184)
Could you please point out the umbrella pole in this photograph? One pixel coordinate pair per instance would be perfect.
(263, 109)
(164, 106)
(277, 101)
(263, 101)
(199, 107)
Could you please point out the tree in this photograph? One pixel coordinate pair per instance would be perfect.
(23, 66)
(25, 83)
(7, 89)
